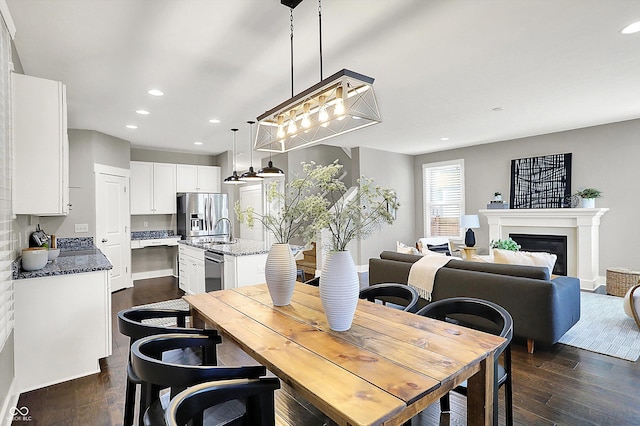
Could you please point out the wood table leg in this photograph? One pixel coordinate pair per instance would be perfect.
(482, 404)
(196, 319)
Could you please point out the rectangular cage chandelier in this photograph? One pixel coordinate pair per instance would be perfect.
(336, 105)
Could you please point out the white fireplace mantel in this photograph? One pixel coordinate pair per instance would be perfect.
(586, 222)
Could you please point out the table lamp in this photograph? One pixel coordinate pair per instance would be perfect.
(469, 221)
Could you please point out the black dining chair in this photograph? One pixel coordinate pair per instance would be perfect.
(257, 394)
(160, 372)
(488, 317)
(392, 294)
(137, 323)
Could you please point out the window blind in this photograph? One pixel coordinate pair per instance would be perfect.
(443, 185)
(6, 234)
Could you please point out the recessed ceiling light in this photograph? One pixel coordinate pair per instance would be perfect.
(444, 139)
(214, 121)
(142, 112)
(197, 143)
(155, 92)
(131, 126)
(498, 109)
(632, 28)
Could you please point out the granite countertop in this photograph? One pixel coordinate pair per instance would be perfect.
(239, 248)
(69, 262)
(152, 235)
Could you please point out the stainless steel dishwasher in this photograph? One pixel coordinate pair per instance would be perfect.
(213, 271)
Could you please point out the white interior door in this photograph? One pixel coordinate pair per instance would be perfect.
(251, 196)
(113, 225)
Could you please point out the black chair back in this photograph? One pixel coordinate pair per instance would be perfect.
(258, 395)
(394, 293)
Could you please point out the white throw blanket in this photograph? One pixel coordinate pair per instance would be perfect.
(423, 273)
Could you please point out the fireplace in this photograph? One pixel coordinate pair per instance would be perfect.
(581, 226)
(555, 244)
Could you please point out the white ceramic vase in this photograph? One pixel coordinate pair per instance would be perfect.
(339, 289)
(280, 273)
(588, 203)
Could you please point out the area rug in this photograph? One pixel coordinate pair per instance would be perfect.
(604, 328)
(168, 304)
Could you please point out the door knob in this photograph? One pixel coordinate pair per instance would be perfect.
(104, 240)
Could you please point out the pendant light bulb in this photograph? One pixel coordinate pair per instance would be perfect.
(292, 128)
(306, 122)
(251, 175)
(323, 115)
(280, 133)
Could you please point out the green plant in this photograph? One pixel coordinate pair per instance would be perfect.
(355, 212)
(589, 193)
(495, 194)
(507, 244)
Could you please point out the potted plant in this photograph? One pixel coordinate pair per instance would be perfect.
(589, 196)
(507, 244)
(347, 214)
(292, 217)
(497, 196)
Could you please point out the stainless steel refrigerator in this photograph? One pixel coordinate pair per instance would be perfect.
(199, 215)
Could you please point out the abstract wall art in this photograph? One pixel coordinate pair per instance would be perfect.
(541, 182)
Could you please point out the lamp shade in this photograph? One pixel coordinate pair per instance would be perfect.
(469, 221)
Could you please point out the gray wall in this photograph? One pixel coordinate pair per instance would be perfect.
(393, 171)
(139, 154)
(86, 148)
(604, 157)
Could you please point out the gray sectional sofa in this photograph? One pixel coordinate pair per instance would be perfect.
(543, 309)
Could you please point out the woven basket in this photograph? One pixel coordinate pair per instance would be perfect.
(620, 280)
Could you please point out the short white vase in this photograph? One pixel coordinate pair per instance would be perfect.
(339, 289)
(589, 203)
(280, 273)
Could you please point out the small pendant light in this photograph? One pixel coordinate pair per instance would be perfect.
(234, 179)
(251, 175)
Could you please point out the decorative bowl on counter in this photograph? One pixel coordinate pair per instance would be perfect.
(34, 258)
(53, 253)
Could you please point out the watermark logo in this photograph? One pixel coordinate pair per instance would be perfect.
(20, 414)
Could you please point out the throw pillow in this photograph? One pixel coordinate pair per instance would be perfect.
(439, 248)
(403, 248)
(547, 260)
(427, 252)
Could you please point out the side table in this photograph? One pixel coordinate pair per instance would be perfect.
(620, 280)
(468, 252)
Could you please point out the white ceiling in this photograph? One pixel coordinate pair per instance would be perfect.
(440, 66)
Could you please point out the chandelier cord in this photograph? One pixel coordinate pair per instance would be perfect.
(291, 19)
(320, 31)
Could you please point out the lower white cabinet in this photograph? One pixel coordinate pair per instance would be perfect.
(62, 327)
(240, 271)
(191, 269)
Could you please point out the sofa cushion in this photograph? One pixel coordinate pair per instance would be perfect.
(510, 257)
(524, 271)
(400, 257)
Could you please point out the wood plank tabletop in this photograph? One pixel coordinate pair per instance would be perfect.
(388, 367)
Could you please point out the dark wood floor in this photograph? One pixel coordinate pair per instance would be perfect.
(556, 386)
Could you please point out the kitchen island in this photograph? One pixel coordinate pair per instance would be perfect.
(244, 262)
(62, 318)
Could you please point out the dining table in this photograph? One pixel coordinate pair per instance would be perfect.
(384, 370)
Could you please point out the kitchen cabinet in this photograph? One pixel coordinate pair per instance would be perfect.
(191, 269)
(40, 147)
(241, 271)
(153, 188)
(191, 178)
(62, 327)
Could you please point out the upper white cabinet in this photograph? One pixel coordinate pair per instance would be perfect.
(198, 178)
(40, 146)
(153, 188)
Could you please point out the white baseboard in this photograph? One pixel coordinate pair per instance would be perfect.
(152, 274)
(11, 401)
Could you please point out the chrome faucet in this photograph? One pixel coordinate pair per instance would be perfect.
(230, 227)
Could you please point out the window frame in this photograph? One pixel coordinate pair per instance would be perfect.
(427, 203)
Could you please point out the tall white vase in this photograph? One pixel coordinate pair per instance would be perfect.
(280, 273)
(339, 289)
